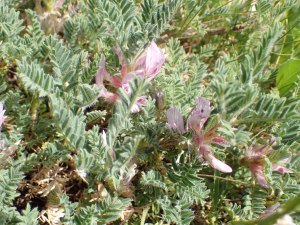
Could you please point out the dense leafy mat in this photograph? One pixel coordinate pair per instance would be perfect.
(149, 112)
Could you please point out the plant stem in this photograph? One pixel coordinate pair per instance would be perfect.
(145, 212)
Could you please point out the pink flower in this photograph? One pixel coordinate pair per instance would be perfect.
(125, 86)
(111, 97)
(103, 93)
(255, 161)
(200, 139)
(59, 4)
(2, 111)
(129, 77)
(116, 81)
(197, 120)
(175, 120)
(214, 162)
(282, 169)
(141, 101)
(203, 107)
(102, 73)
(151, 61)
(124, 70)
(258, 173)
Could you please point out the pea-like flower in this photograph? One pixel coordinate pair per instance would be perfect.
(205, 150)
(101, 74)
(280, 168)
(151, 61)
(200, 138)
(197, 120)
(255, 160)
(104, 74)
(141, 101)
(147, 66)
(175, 120)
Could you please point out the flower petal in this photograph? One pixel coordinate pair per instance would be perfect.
(195, 124)
(213, 161)
(270, 210)
(102, 72)
(154, 60)
(139, 102)
(258, 172)
(111, 97)
(175, 120)
(210, 134)
(260, 178)
(222, 142)
(203, 107)
(129, 76)
(135, 108)
(116, 81)
(286, 160)
(103, 93)
(281, 169)
(199, 117)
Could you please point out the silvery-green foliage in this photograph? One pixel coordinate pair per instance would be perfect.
(47, 86)
(177, 211)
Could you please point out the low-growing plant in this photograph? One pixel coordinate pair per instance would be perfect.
(157, 112)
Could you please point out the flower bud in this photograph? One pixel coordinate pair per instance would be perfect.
(159, 97)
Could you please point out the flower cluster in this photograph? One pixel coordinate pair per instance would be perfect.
(201, 139)
(255, 160)
(148, 65)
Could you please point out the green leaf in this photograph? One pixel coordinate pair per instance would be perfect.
(29, 216)
(71, 127)
(287, 76)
